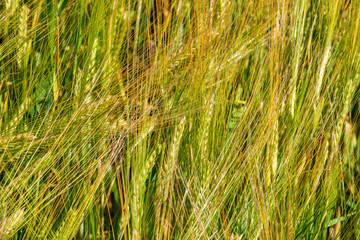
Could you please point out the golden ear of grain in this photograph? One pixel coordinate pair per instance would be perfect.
(10, 223)
(11, 6)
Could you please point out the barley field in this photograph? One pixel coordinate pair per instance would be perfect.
(179, 119)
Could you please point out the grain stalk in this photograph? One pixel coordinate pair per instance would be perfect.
(326, 55)
(165, 182)
(23, 46)
(206, 165)
(300, 17)
(9, 225)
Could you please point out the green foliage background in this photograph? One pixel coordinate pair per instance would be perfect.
(179, 119)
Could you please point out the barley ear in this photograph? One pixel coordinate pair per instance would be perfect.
(23, 46)
(9, 224)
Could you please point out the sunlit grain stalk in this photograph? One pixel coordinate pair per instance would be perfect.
(224, 10)
(140, 175)
(206, 178)
(326, 53)
(143, 136)
(90, 80)
(166, 179)
(139, 192)
(349, 88)
(319, 81)
(23, 42)
(274, 148)
(300, 17)
(109, 62)
(206, 165)
(79, 75)
(9, 224)
(19, 116)
(56, 74)
(10, 9)
(348, 93)
(11, 5)
(75, 217)
(137, 29)
(320, 172)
